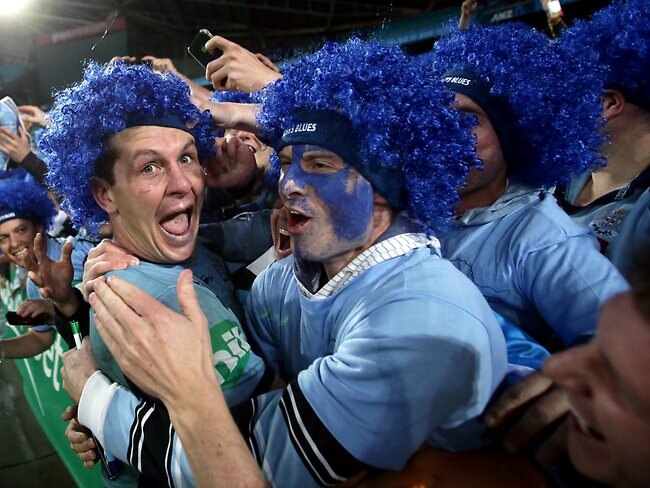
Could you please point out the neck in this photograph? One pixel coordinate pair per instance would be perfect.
(628, 154)
(482, 197)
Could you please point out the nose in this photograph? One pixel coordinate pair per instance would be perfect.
(14, 241)
(179, 182)
(574, 369)
(291, 184)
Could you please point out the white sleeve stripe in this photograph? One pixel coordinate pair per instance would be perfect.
(304, 457)
(134, 434)
(141, 443)
(312, 444)
(178, 473)
(167, 457)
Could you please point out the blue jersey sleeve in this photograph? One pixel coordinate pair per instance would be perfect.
(568, 282)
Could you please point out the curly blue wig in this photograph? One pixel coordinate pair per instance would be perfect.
(547, 96)
(108, 100)
(409, 138)
(233, 96)
(22, 196)
(620, 34)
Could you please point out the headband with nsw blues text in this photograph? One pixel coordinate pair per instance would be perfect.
(333, 131)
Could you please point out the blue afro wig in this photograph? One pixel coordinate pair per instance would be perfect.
(233, 97)
(620, 34)
(85, 115)
(402, 119)
(550, 97)
(21, 194)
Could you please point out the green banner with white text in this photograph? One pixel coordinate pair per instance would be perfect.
(42, 385)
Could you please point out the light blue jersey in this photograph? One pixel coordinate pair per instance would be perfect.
(136, 428)
(620, 219)
(398, 350)
(534, 265)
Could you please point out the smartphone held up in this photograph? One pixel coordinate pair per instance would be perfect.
(197, 49)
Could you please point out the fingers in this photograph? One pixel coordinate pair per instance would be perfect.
(8, 133)
(187, 298)
(39, 248)
(555, 446)
(106, 246)
(509, 403)
(545, 411)
(28, 109)
(82, 443)
(69, 413)
(108, 327)
(218, 76)
(66, 253)
(218, 42)
(267, 62)
(32, 308)
(101, 259)
(126, 59)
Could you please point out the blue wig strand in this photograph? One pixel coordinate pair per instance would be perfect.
(21, 193)
(552, 93)
(233, 97)
(620, 34)
(402, 119)
(85, 115)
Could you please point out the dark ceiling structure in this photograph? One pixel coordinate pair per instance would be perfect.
(255, 23)
(282, 29)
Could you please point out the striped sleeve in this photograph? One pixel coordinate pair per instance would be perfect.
(289, 441)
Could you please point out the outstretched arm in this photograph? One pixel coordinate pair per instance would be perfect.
(467, 9)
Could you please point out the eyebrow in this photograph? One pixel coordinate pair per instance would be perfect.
(319, 154)
(153, 152)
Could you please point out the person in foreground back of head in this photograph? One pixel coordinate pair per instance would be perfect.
(381, 342)
(138, 166)
(615, 200)
(609, 388)
(537, 124)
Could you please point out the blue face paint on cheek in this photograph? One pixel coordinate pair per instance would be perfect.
(349, 198)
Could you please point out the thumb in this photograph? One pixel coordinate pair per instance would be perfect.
(187, 297)
(66, 252)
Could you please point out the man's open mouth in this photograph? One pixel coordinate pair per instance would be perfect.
(296, 221)
(178, 224)
(284, 240)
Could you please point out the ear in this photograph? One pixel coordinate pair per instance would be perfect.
(103, 193)
(613, 104)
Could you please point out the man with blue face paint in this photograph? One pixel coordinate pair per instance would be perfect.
(380, 341)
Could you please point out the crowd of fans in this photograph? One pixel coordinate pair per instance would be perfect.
(371, 269)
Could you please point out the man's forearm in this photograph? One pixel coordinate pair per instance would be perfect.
(216, 450)
(28, 345)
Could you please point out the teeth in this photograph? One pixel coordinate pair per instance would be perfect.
(284, 232)
(582, 423)
(294, 212)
